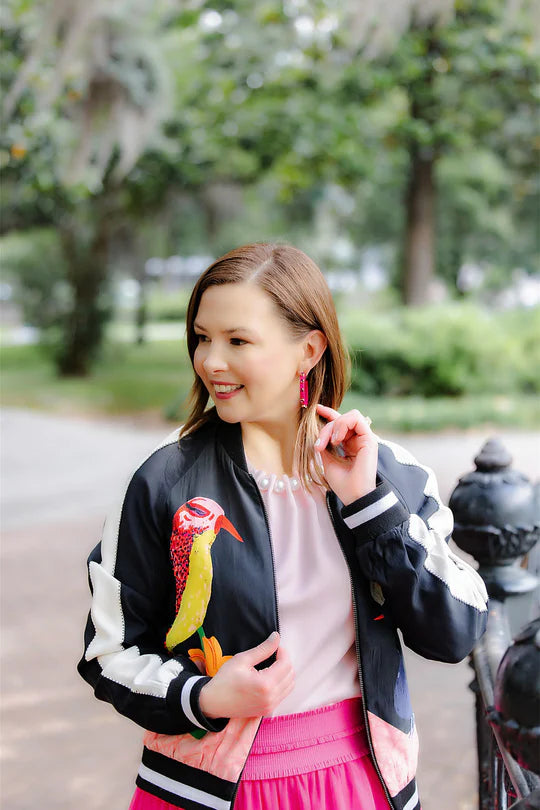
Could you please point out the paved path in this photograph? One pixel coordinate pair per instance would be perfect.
(62, 749)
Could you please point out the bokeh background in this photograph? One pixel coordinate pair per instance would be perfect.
(396, 143)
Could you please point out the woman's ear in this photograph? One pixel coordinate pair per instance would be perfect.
(314, 347)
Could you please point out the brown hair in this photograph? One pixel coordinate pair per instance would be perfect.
(302, 297)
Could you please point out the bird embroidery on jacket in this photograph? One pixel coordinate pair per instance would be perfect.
(196, 525)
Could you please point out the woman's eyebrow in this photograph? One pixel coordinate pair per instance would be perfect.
(227, 331)
(239, 329)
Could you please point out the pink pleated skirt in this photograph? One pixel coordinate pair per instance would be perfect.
(310, 761)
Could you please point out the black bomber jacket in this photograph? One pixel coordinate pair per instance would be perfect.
(157, 576)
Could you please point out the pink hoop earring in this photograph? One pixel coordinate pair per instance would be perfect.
(304, 391)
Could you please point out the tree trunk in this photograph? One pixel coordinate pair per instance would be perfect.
(141, 312)
(419, 250)
(83, 327)
(219, 202)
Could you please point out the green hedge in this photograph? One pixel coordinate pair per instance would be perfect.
(447, 350)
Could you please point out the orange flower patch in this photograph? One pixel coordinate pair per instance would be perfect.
(210, 657)
(18, 151)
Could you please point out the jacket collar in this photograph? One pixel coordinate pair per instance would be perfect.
(230, 436)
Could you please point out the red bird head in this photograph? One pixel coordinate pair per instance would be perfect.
(200, 514)
(193, 518)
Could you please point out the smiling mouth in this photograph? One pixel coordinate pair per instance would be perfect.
(226, 389)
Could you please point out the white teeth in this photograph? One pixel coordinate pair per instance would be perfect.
(226, 389)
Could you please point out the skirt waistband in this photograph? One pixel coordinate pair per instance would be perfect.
(300, 743)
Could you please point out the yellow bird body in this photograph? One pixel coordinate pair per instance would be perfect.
(196, 524)
(196, 595)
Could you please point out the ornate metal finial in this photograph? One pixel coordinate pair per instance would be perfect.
(497, 520)
(493, 456)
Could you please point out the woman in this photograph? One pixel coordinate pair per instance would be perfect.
(248, 591)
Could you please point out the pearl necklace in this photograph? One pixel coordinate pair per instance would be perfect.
(280, 484)
(270, 482)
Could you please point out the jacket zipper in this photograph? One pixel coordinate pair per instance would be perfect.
(261, 501)
(233, 800)
(359, 661)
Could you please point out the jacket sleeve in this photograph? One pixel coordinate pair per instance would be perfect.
(401, 532)
(131, 580)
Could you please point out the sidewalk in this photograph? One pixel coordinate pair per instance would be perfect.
(61, 748)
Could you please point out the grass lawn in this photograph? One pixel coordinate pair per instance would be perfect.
(154, 379)
(127, 379)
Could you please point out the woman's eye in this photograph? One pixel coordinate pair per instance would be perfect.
(205, 339)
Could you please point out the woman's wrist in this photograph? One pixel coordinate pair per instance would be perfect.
(354, 494)
(206, 703)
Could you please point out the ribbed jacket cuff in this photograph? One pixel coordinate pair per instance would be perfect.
(184, 694)
(375, 513)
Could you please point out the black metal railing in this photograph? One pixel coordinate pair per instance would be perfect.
(497, 520)
(501, 780)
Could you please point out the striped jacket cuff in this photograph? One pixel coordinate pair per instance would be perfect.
(375, 513)
(184, 694)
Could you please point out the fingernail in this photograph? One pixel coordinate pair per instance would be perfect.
(317, 443)
(334, 437)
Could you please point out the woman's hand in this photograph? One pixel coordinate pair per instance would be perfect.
(355, 473)
(239, 690)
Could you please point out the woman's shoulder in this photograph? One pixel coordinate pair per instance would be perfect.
(173, 456)
(405, 473)
(396, 452)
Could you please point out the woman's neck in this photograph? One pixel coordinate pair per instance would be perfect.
(270, 447)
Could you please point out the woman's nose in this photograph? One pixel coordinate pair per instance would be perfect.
(214, 360)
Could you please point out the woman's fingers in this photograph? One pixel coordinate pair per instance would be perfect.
(326, 412)
(240, 690)
(280, 670)
(282, 662)
(350, 427)
(355, 473)
(341, 427)
(275, 682)
(258, 654)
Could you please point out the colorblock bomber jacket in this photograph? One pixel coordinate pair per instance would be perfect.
(184, 572)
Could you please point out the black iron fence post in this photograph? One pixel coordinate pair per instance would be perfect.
(516, 713)
(497, 522)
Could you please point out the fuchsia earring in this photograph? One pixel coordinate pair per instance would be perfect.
(304, 393)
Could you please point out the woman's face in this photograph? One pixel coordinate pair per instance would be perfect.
(246, 356)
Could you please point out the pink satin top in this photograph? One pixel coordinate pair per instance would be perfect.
(313, 594)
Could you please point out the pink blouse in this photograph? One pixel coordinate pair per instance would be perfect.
(313, 594)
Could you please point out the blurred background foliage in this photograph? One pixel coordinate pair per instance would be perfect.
(396, 143)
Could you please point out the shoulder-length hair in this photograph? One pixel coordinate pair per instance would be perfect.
(303, 300)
